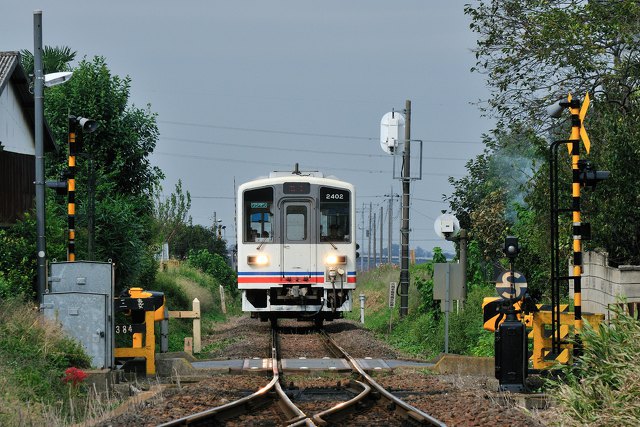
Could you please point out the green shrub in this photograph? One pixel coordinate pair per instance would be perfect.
(216, 266)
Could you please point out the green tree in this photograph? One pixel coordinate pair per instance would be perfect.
(536, 52)
(196, 237)
(172, 213)
(113, 167)
(54, 59)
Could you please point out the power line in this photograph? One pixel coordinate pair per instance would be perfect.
(262, 147)
(212, 197)
(428, 200)
(256, 162)
(324, 135)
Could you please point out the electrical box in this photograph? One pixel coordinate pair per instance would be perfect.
(80, 299)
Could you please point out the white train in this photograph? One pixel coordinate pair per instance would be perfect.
(296, 246)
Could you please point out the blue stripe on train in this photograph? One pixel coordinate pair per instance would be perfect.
(286, 273)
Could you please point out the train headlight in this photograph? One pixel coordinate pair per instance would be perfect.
(261, 259)
(333, 259)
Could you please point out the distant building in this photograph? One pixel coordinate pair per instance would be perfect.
(17, 140)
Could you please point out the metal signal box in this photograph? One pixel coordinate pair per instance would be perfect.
(511, 355)
(80, 299)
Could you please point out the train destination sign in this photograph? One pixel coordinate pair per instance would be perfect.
(296, 188)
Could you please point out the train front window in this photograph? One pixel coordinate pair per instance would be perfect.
(296, 223)
(258, 215)
(335, 222)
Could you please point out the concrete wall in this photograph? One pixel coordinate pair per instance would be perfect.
(603, 285)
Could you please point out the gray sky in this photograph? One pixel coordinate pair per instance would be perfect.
(245, 87)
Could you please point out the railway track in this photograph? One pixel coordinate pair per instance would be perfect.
(269, 394)
(361, 395)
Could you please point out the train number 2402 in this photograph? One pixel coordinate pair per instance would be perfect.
(334, 196)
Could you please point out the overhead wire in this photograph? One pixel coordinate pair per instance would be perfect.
(296, 133)
(262, 147)
(257, 162)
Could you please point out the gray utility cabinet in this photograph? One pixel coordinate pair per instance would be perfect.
(80, 299)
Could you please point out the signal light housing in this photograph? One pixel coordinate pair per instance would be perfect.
(589, 176)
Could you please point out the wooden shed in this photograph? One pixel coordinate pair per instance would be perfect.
(17, 140)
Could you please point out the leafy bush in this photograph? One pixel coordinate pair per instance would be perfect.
(423, 279)
(214, 265)
(18, 251)
(121, 235)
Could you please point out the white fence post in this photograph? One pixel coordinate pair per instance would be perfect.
(197, 343)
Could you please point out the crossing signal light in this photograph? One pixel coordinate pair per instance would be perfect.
(589, 176)
(511, 247)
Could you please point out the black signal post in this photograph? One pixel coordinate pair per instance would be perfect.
(511, 367)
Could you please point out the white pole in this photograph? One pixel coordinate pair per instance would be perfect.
(197, 343)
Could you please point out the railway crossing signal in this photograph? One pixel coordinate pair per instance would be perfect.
(583, 175)
(578, 113)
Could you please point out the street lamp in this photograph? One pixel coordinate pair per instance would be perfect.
(38, 90)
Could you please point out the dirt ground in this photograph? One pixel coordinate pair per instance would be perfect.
(455, 400)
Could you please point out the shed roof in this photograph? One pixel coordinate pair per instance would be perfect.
(11, 71)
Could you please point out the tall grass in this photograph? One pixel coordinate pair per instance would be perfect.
(34, 355)
(603, 388)
(181, 285)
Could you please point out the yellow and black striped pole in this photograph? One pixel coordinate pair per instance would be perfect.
(71, 196)
(577, 230)
(578, 133)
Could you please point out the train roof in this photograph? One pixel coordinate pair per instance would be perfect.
(314, 177)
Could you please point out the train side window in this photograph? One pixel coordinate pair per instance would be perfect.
(296, 223)
(258, 216)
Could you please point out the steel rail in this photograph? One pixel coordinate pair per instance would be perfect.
(410, 413)
(247, 403)
(286, 405)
